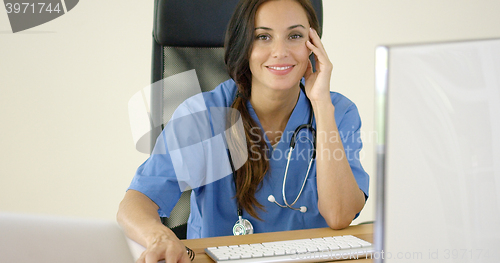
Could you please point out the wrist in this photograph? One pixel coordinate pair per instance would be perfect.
(323, 105)
(159, 234)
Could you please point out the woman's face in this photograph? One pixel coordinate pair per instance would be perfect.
(279, 56)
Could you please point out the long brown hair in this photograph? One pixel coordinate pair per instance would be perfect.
(238, 45)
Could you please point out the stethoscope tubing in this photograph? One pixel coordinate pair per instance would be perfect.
(303, 183)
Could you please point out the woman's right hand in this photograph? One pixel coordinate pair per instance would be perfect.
(138, 216)
(163, 248)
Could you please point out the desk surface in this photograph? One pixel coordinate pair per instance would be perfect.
(198, 245)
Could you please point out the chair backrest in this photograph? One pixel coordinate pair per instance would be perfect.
(190, 35)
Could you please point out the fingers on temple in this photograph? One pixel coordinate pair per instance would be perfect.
(316, 46)
(315, 39)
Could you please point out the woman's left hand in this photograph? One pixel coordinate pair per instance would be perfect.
(317, 84)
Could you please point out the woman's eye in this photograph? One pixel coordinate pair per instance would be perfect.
(295, 36)
(262, 37)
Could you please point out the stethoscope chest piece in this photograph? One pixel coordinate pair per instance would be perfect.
(242, 227)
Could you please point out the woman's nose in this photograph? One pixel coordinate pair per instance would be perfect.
(280, 49)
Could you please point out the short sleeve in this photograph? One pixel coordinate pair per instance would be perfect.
(156, 179)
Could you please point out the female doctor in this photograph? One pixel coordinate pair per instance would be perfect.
(268, 44)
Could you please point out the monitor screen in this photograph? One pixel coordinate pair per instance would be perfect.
(438, 152)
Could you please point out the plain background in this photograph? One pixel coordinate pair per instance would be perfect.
(66, 146)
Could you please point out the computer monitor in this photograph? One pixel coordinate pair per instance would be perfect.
(438, 153)
(26, 238)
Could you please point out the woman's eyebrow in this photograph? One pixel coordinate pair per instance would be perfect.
(295, 26)
(264, 28)
(289, 28)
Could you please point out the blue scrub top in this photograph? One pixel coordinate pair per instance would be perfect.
(213, 206)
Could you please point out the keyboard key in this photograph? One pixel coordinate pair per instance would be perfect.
(354, 244)
(343, 245)
(243, 256)
(364, 243)
(224, 257)
(301, 250)
(312, 249)
(333, 247)
(323, 248)
(258, 245)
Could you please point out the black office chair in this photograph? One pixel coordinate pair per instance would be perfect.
(189, 35)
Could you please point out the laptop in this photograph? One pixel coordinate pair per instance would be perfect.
(438, 152)
(48, 239)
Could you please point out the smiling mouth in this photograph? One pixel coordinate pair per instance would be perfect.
(280, 68)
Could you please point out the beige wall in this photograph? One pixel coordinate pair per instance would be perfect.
(65, 143)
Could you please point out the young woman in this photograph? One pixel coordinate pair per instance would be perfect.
(268, 44)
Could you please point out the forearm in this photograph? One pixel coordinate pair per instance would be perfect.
(339, 197)
(139, 218)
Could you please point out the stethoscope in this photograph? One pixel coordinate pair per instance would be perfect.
(243, 226)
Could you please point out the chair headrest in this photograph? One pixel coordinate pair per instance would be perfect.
(200, 23)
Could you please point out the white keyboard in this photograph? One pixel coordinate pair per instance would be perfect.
(300, 250)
